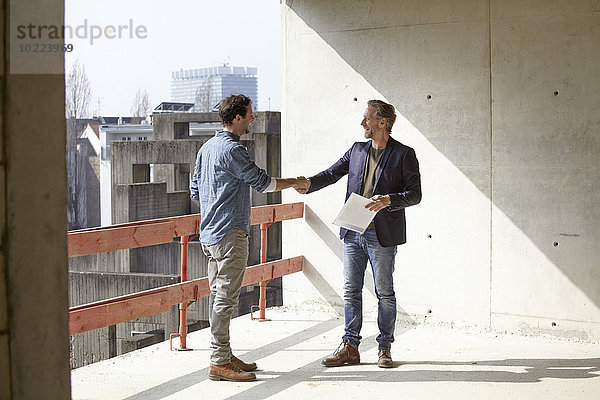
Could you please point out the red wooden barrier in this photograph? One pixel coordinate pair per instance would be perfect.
(154, 301)
(163, 230)
(147, 233)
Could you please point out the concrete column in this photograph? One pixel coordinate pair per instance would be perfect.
(171, 321)
(260, 158)
(182, 176)
(34, 341)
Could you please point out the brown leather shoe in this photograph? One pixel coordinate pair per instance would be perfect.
(345, 354)
(242, 365)
(385, 359)
(229, 372)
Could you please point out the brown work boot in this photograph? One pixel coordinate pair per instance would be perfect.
(345, 354)
(229, 372)
(385, 359)
(242, 365)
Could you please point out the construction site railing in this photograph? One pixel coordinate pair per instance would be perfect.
(131, 235)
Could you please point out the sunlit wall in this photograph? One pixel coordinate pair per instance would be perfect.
(501, 101)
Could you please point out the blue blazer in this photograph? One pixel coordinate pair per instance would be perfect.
(398, 176)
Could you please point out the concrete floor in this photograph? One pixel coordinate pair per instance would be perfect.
(432, 362)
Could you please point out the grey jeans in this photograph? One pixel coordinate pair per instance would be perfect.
(227, 260)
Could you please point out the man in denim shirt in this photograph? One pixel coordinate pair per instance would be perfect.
(221, 183)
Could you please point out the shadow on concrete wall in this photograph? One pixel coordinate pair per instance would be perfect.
(323, 287)
(558, 210)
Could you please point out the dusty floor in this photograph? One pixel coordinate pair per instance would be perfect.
(431, 363)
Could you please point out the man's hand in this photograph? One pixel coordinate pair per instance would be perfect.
(302, 185)
(379, 202)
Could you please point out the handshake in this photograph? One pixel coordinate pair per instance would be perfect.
(301, 184)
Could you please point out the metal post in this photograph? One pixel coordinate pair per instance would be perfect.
(183, 306)
(262, 302)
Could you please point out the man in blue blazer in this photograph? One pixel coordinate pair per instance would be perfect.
(387, 172)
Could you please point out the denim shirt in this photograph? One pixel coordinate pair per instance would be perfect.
(221, 182)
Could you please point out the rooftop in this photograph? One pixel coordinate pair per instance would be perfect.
(171, 106)
(220, 70)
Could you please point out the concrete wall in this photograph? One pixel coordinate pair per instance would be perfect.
(103, 343)
(126, 157)
(140, 201)
(112, 261)
(501, 101)
(34, 346)
(171, 126)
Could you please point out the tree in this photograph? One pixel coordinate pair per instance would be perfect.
(78, 93)
(205, 99)
(141, 104)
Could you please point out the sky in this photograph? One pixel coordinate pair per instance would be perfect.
(165, 36)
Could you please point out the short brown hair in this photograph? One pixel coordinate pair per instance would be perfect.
(232, 106)
(384, 110)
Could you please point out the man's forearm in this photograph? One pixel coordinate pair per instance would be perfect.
(284, 183)
(300, 183)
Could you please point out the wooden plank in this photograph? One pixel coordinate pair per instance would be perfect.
(131, 235)
(288, 266)
(276, 213)
(126, 308)
(188, 225)
(86, 319)
(155, 301)
(157, 231)
(127, 237)
(289, 211)
(184, 219)
(259, 273)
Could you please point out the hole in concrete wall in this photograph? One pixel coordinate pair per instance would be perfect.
(356, 99)
(428, 236)
(428, 97)
(556, 92)
(177, 176)
(555, 244)
(428, 311)
(554, 324)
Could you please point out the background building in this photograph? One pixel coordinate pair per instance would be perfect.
(147, 179)
(87, 139)
(206, 87)
(109, 134)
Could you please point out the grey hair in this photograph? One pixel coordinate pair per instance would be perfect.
(384, 110)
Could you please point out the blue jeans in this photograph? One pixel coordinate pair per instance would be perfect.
(358, 249)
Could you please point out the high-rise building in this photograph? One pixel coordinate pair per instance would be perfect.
(206, 87)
